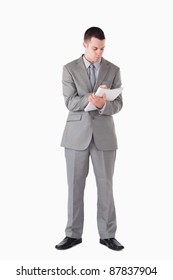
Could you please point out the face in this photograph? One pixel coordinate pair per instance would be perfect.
(94, 49)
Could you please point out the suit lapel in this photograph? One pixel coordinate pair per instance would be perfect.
(102, 73)
(82, 72)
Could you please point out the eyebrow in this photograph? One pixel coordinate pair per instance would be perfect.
(98, 48)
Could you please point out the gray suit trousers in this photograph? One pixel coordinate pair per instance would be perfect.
(77, 162)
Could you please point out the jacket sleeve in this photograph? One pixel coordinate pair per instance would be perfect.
(73, 101)
(113, 107)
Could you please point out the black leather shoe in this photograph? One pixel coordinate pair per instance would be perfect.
(112, 243)
(67, 243)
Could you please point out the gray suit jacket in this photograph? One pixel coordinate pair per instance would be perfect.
(81, 125)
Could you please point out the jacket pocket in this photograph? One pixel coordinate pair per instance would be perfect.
(76, 117)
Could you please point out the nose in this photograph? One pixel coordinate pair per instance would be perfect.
(99, 52)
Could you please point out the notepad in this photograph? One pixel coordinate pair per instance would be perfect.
(111, 94)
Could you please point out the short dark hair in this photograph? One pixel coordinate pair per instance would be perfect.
(94, 32)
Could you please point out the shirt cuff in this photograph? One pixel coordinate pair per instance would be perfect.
(102, 109)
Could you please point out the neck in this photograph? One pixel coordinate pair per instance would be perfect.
(92, 62)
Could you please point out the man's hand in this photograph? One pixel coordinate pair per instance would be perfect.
(103, 86)
(98, 101)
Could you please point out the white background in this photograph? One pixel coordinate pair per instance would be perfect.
(37, 39)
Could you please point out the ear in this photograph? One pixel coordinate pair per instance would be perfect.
(84, 44)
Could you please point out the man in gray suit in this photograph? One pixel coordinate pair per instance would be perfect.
(90, 133)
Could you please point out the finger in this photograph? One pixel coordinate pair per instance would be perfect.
(103, 86)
